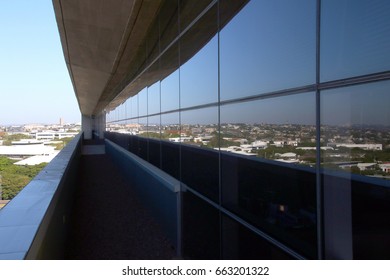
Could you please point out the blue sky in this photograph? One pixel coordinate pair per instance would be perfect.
(35, 86)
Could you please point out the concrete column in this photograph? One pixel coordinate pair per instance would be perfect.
(86, 126)
(100, 124)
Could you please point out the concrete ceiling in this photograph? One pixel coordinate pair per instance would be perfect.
(94, 35)
(108, 43)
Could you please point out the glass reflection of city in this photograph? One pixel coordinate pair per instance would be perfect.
(361, 150)
(278, 135)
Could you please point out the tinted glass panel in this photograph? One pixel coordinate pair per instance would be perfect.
(199, 169)
(355, 128)
(169, 23)
(170, 149)
(281, 129)
(240, 243)
(154, 152)
(154, 98)
(143, 102)
(142, 140)
(276, 197)
(134, 106)
(370, 218)
(355, 38)
(200, 229)
(169, 64)
(259, 52)
(154, 127)
(170, 92)
(199, 75)
(190, 10)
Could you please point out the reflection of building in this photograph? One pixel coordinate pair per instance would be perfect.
(375, 147)
(245, 72)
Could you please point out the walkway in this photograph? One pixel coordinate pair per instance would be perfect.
(108, 221)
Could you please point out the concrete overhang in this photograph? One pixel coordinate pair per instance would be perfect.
(108, 45)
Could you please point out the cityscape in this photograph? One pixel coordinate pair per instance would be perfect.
(26, 149)
(362, 150)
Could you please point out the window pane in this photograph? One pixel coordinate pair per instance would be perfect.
(170, 150)
(267, 158)
(142, 140)
(169, 23)
(154, 98)
(199, 75)
(281, 129)
(199, 163)
(170, 92)
(355, 128)
(169, 64)
(201, 230)
(355, 38)
(143, 102)
(154, 127)
(134, 106)
(190, 10)
(239, 243)
(260, 53)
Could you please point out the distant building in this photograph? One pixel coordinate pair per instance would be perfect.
(22, 151)
(374, 147)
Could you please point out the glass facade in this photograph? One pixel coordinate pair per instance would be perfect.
(274, 115)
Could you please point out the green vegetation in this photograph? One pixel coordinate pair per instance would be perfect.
(8, 138)
(64, 142)
(14, 177)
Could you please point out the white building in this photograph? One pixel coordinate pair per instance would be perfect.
(20, 151)
(373, 147)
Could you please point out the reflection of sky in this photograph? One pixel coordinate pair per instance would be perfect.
(199, 77)
(270, 46)
(172, 118)
(355, 38)
(295, 109)
(154, 98)
(365, 105)
(170, 92)
(143, 102)
(200, 116)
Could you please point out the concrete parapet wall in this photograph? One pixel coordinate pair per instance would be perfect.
(34, 224)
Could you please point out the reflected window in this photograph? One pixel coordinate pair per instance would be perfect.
(260, 53)
(355, 38)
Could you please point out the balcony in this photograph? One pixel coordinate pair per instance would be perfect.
(98, 200)
(81, 207)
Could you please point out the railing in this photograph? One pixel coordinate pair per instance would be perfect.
(34, 224)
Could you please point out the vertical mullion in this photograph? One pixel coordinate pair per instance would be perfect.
(319, 190)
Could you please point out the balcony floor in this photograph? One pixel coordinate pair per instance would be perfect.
(108, 221)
